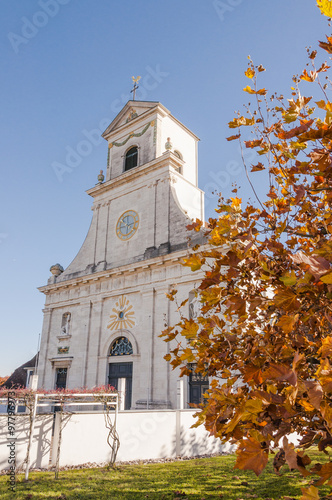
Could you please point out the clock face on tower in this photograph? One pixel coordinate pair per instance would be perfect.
(127, 225)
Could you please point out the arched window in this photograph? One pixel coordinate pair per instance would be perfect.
(121, 347)
(131, 158)
(179, 155)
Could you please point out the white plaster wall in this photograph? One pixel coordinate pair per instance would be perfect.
(189, 198)
(183, 142)
(85, 255)
(197, 441)
(40, 449)
(143, 435)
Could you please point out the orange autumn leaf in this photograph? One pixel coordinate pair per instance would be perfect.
(326, 45)
(280, 372)
(233, 137)
(253, 372)
(251, 455)
(258, 167)
(308, 77)
(252, 91)
(286, 323)
(323, 471)
(326, 349)
(286, 299)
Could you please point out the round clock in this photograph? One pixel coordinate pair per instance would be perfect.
(127, 225)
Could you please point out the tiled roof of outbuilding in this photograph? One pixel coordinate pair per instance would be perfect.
(19, 376)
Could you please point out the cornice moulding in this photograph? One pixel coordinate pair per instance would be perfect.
(169, 259)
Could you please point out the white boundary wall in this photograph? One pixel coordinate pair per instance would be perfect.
(143, 435)
(41, 442)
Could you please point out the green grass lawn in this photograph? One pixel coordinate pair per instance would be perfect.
(195, 479)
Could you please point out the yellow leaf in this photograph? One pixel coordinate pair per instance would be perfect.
(187, 355)
(289, 279)
(306, 405)
(324, 375)
(327, 278)
(310, 493)
(249, 73)
(251, 91)
(190, 329)
(326, 349)
(251, 409)
(194, 262)
(325, 7)
(236, 203)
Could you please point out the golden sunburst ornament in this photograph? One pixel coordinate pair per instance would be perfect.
(123, 315)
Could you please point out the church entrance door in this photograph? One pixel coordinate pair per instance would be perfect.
(198, 385)
(121, 377)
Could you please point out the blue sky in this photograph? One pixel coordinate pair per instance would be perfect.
(66, 70)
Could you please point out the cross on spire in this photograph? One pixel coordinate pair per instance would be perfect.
(135, 80)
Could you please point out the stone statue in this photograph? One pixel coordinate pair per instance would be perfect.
(194, 308)
(65, 324)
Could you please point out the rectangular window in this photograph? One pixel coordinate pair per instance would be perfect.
(61, 378)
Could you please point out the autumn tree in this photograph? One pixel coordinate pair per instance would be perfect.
(3, 380)
(264, 331)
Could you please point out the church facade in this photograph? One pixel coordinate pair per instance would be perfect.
(104, 313)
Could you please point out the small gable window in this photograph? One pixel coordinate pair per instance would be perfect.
(131, 158)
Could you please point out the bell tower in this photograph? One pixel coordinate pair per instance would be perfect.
(149, 193)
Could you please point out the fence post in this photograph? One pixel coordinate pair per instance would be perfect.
(31, 435)
(180, 394)
(56, 434)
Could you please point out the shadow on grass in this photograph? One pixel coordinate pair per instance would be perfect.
(196, 479)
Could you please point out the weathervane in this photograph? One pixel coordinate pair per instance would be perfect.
(135, 80)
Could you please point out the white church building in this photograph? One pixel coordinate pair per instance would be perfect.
(104, 313)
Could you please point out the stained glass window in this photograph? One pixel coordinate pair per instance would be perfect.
(121, 347)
